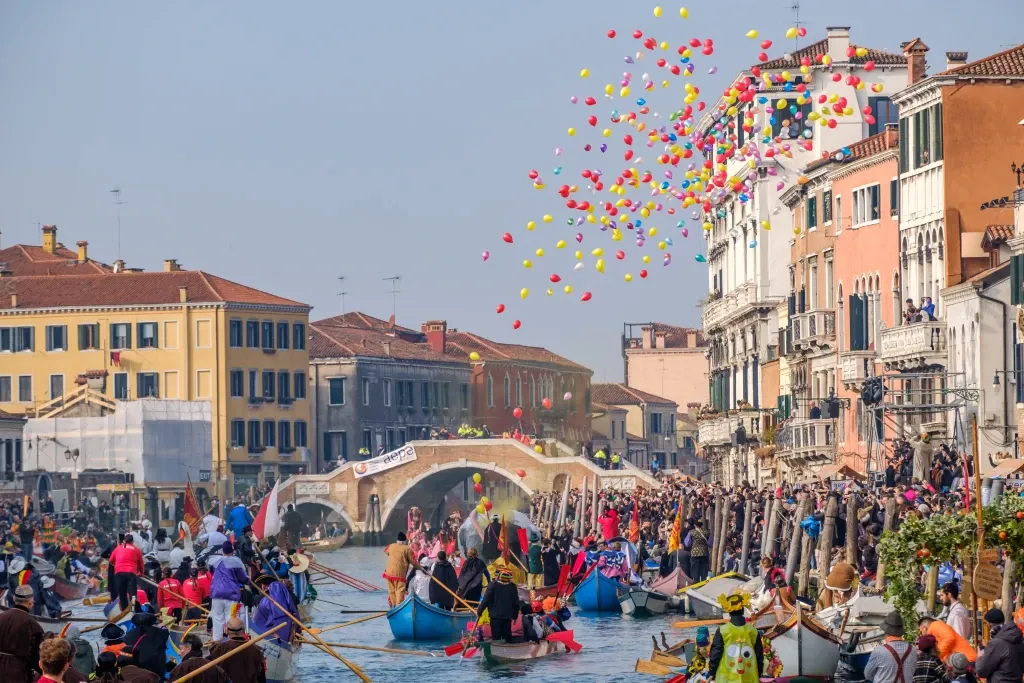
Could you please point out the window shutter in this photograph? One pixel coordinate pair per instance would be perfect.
(1017, 280)
(156, 335)
(138, 387)
(801, 304)
(128, 332)
(139, 334)
(854, 323)
(81, 337)
(792, 304)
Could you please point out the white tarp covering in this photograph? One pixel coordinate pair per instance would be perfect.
(158, 441)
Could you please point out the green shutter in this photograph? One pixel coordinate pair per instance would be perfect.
(1017, 279)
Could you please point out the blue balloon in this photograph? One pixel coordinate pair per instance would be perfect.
(772, 120)
(753, 244)
(679, 224)
(639, 223)
(640, 102)
(788, 87)
(668, 241)
(762, 100)
(558, 170)
(664, 185)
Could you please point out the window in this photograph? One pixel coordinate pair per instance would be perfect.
(464, 396)
(299, 336)
(367, 442)
(5, 389)
(284, 387)
(56, 337)
(235, 340)
(301, 434)
(147, 336)
(268, 385)
(237, 432)
(254, 388)
(425, 394)
(335, 445)
(120, 336)
(401, 399)
(237, 384)
(826, 206)
(267, 335)
(812, 213)
(252, 334)
(508, 392)
(437, 395)
(88, 337)
(533, 393)
(24, 339)
(300, 385)
(490, 391)
(255, 444)
(785, 122)
(866, 205)
(269, 434)
(386, 388)
(149, 385)
(284, 436)
(613, 429)
(282, 335)
(121, 386)
(829, 301)
(364, 390)
(904, 136)
(937, 156)
(56, 386)
(884, 111)
(519, 391)
(445, 395)
(839, 215)
(1017, 279)
(25, 388)
(655, 419)
(894, 197)
(672, 423)
(6, 339)
(336, 389)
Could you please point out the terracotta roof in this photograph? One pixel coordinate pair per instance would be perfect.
(996, 235)
(26, 259)
(820, 48)
(1006, 63)
(339, 341)
(868, 147)
(622, 395)
(634, 437)
(362, 321)
(676, 337)
(989, 272)
(129, 289)
(594, 434)
(461, 344)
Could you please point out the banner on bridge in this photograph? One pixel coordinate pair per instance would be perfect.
(384, 462)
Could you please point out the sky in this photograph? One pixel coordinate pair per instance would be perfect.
(283, 145)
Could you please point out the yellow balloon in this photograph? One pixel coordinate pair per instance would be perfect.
(548, 218)
(826, 60)
(531, 225)
(862, 52)
(584, 73)
(766, 225)
(591, 218)
(791, 33)
(538, 449)
(609, 89)
(527, 263)
(662, 245)
(607, 132)
(484, 499)
(539, 252)
(752, 33)
(652, 232)
(664, 84)
(567, 289)
(646, 259)
(474, 356)
(600, 265)
(538, 186)
(645, 212)
(708, 226)
(572, 132)
(597, 252)
(782, 104)
(628, 277)
(657, 11)
(796, 231)
(481, 509)
(624, 92)
(550, 291)
(523, 293)
(684, 13)
(476, 478)
(560, 244)
(578, 254)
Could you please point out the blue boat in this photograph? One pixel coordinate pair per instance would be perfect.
(416, 619)
(598, 593)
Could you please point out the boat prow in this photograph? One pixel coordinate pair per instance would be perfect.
(416, 619)
(598, 593)
(498, 653)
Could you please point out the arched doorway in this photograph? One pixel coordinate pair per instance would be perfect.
(43, 487)
(314, 510)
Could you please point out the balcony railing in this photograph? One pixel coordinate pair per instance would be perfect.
(814, 329)
(715, 431)
(914, 346)
(806, 439)
(718, 311)
(857, 366)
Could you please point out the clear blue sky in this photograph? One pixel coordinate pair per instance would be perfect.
(285, 144)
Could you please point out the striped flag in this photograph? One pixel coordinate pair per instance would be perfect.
(677, 529)
(193, 517)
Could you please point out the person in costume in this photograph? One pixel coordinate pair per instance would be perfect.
(737, 653)
(501, 599)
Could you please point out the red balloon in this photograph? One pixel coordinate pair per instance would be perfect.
(638, 34)
(590, 101)
(649, 43)
(546, 403)
(765, 44)
(507, 237)
(533, 175)
(620, 255)
(500, 308)
(555, 277)
(611, 33)
(516, 324)
(488, 505)
(586, 296)
(478, 488)
(643, 273)
(517, 413)
(520, 473)
(592, 120)
(869, 65)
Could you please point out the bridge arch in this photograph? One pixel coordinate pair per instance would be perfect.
(315, 501)
(448, 476)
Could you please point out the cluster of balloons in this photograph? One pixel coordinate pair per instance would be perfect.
(675, 161)
(485, 504)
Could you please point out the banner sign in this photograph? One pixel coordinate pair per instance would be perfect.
(384, 462)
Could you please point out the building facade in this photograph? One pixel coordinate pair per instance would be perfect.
(608, 425)
(649, 418)
(666, 360)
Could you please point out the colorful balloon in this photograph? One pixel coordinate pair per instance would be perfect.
(517, 413)
(474, 356)
(546, 403)
(567, 396)
(476, 478)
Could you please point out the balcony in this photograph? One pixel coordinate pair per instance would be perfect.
(715, 431)
(915, 346)
(814, 330)
(805, 439)
(718, 312)
(857, 366)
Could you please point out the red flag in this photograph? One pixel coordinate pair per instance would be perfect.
(268, 521)
(523, 542)
(193, 516)
(503, 541)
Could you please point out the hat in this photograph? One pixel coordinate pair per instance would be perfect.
(300, 563)
(734, 602)
(70, 631)
(537, 606)
(958, 662)
(926, 642)
(504, 575)
(995, 616)
(703, 636)
(402, 537)
(893, 624)
(17, 565)
(65, 548)
(8, 545)
(24, 592)
(227, 548)
(112, 632)
(47, 582)
(106, 662)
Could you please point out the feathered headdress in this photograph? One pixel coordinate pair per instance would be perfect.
(734, 602)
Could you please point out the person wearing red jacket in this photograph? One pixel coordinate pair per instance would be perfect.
(196, 592)
(128, 566)
(169, 594)
(205, 577)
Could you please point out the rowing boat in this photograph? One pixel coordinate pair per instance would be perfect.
(69, 590)
(598, 593)
(703, 597)
(416, 619)
(499, 653)
(49, 625)
(280, 658)
(539, 593)
(326, 545)
(642, 603)
(672, 582)
(804, 646)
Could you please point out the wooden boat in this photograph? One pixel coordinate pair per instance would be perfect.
(702, 598)
(500, 653)
(862, 614)
(49, 625)
(804, 646)
(69, 590)
(598, 593)
(669, 584)
(538, 593)
(281, 659)
(326, 545)
(415, 619)
(638, 602)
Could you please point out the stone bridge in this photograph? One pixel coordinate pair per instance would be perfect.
(440, 467)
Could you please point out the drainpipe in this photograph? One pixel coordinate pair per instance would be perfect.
(1002, 343)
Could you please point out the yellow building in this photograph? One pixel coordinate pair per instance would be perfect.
(70, 326)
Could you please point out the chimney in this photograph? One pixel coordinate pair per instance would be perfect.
(917, 67)
(14, 300)
(838, 43)
(659, 340)
(171, 265)
(49, 238)
(955, 59)
(437, 334)
(183, 294)
(119, 266)
(387, 349)
(691, 339)
(647, 337)
(83, 251)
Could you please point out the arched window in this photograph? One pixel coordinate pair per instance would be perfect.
(533, 392)
(508, 392)
(519, 390)
(490, 391)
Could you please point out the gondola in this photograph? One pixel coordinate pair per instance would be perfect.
(702, 597)
(326, 545)
(69, 590)
(638, 602)
(416, 619)
(804, 646)
(671, 583)
(281, 659)
(49, 625)
(499, 653)
(598, 593)
(539, 593)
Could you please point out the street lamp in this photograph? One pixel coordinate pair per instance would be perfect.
(73, 455)
(1012, 377)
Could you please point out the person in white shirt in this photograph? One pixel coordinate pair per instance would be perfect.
(211, 522)
(420, 582)
(954, 610)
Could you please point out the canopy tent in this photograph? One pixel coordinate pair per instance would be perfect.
(839, 472)
(1007, 468)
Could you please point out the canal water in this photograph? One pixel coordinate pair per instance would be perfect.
(611, 642)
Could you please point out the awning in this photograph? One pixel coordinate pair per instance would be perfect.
(840, 471)
(1006, 468)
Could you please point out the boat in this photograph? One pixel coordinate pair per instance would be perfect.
(280, 659)
(499, 653)
(702, 598)
(804, 646)
(863, 614)
(671, 583)
(642, 603)
(49, 625)
(538, 593)
(326, 545)
(416, 619)
(69, 590)
(598, 593)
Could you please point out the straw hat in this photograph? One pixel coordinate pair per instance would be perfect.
(300, 563)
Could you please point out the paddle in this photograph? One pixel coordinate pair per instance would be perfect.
(644, 666)
(218, 660)
(417, 653)
(565, 638)
(695, 624)
(667, 659)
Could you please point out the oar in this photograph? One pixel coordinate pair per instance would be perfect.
(415, 653)
(565, 638)
(170, 592)
(210, 665)
(449, 591)
(695, 624)
(97, 600)
(360, 620)
(667, 659)
(344, 578)
(113, 619)
(332, 604)
(645, 666)
(355, 669)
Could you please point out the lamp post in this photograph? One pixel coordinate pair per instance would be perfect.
(73, 455)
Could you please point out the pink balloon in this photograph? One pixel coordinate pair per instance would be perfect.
(686, 233)
(486, 255)
(579, 237)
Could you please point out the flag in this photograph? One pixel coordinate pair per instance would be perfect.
(503, 541)
(193, 517)
(677, 529)
(268, 520)
(523, 541)
(634, 524)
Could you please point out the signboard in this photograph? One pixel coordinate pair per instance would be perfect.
(989, 555)
(988, 582)
(205, 475)
(319, 488)
(114, 488)
(406, 453)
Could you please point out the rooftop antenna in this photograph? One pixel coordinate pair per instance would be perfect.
(118, 202)
(394, 294)
(341, 278)
(795, 8)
